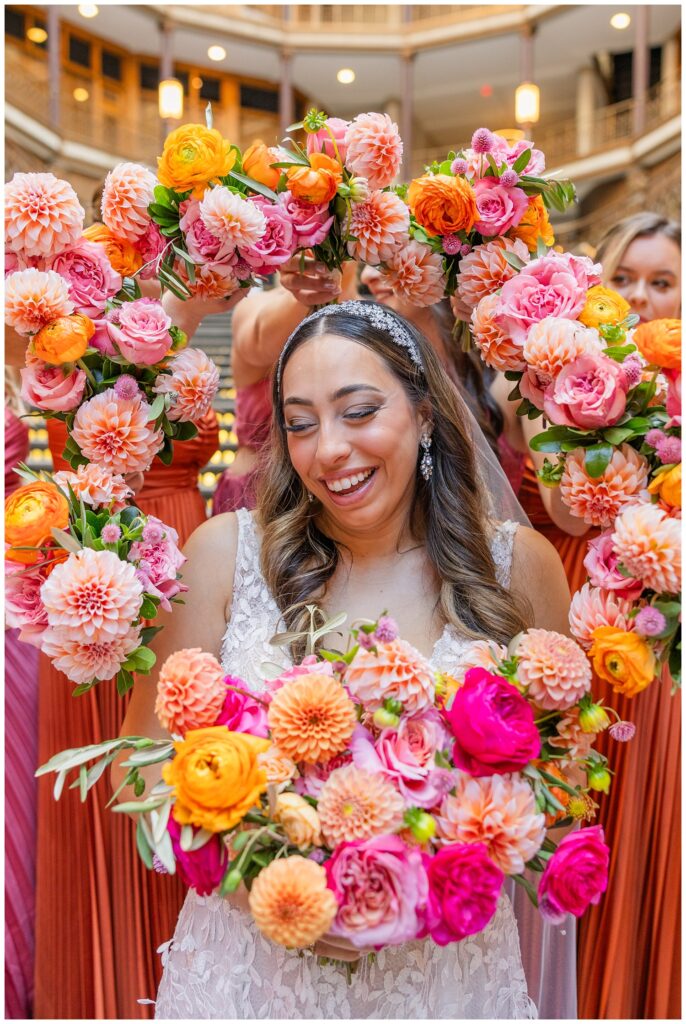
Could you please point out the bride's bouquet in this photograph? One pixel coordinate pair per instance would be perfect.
(366, 794)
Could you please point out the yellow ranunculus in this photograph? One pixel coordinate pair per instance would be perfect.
(667, 485)
(299, 820)
(603, 306)
(30, 513)
(216, 777)
(63, 340)
(623, 659)
(193, 157)
(534, 225)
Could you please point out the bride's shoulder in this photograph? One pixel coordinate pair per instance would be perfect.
(539, 576)
(212, 544)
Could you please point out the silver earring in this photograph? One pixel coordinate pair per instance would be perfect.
(310, 496)
(426, 464)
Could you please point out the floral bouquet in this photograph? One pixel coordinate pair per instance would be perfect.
(84, 570)
(365, 794)
(106, 361)
(485, 204)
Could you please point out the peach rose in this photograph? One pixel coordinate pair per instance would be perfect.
(318, 182)
(124, 259)
(534, 225)
(623, 659)
(299, 820)
(603, 306)
(256, 163)
(659, 342)
(64, 340)
(30, 514)
(443, 204)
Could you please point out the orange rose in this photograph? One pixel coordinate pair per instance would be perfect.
(124, 258)
(603, 306)
(659, 341)
(667, 485)
(63, 340)
(442, 204)
(534, 225)
(30, 514)
(256, 161)
(623, 659)
(318, 182)
(193, 157)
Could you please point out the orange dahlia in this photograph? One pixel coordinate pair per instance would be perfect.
(416, 274)
(355, 804)
(497, 348)
(647, 543)
(291, 903)
(190, 691)
(115, 432)
(378, 226)
(398, 671)
(311, 718)
(485, 270)
(599, 500)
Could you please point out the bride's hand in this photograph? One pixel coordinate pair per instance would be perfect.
(336, 947)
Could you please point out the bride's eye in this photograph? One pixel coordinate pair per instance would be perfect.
(297, 426)
(361, 414)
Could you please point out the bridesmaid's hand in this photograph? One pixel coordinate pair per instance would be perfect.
(188, 314)
(314, 285)
(135, 481)
(460, 309)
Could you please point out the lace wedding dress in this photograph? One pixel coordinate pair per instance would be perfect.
(218, 965)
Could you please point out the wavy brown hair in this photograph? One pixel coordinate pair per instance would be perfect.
(447, 515)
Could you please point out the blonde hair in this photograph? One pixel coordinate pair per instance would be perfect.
(617, 240)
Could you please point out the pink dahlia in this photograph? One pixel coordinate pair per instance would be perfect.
(374, 149)
(33, 298)
(232, 218)
(128, 191)
(378, 226)
(556, 342)
(194, 382)
(202, 245)
(485, 270)
(599, 500)
(94, 595)
(83, 662)
(416, 274)
(396, 671)
(495, 345)
(647, 543)
(592, 607)
(43, 215)
(116, 433)
(190, 691)
(553, 667)
(498, 810)
(89, 274)
(355, 804)
(96, 485)
(479, 654)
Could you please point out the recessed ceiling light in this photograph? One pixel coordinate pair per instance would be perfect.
(216, 53)
(88, 10)
(80, 95)
(345, 76)
(620, 20)
(37, 34)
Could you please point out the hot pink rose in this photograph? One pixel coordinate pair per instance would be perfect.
(464, 886)
(278, 242)
(311, 223)
(589, 393)
(202, 245)
(240, 713)
(502, 151)
(545, 287)
(381, 888)
(575, 876)
(320, 141)
(49, 387)
(142, 331)
(89, 274)
(500, 208)
(493, 726)
(24, 609)
(406, 755)
(673, 403)
(151, 244)
(158, 562)
(601, 565)
(201, 869)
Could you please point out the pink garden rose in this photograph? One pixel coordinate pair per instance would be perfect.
(589, 393)
(158, 561)
(318, 142)
(381, 888)
(141, 332)
(241, 713)
(549, 286)
(151, 245)
(673, 403)
(601, 565)
(49, 387)
(575, 876)
(201, 869)
(202, 245)
(500, 208)
(464, 886)
(493, 726)
(503, 151)
(101, 339)
(311, 222)
(24, 609)
(313, 776)
(89, 274)
(277, 244)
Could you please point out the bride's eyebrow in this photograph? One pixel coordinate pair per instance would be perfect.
(349, 389)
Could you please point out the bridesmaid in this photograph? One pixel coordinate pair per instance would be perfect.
(100, 914)
(630, 949)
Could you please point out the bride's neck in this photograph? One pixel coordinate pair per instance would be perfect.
(383, 541)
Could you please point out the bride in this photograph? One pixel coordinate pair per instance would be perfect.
(372, 500)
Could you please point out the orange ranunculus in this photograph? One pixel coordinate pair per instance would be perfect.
(317, 183)
(63, 340)
(123, 257)
(30, 514)
(623, 659)
(560, 794)
(442, 203)
(216, 776)
(603, 306)
(659, 341)
(534, 225)
(256, 161)
(193, 157)
(667, 485)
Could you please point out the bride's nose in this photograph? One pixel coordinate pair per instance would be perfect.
(333, 445)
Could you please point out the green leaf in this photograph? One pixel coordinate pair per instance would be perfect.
(65, 540)
(148, 608)
(124, 681)
(295, 127)
(617, 435)
(521, 161)
(156, 409)
(550, 440)
(141, 660)
(619, 352)
(148, 633)
(514, 260)
(166, 453)
(184, 430)
(597, 458)
(528, 886)
(142, 844)
(256, 186)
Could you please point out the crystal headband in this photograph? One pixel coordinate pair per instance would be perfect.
(377, 315)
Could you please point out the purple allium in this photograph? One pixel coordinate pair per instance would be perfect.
(110, 533)
(650, 621)
(158, 865)
(482, 141)
(633, 370)
(509, 179)
(319, 856)
(669, 449)
(452, 245)
(466, 249)
(365, 640)
(242, 269)
(459, 166)
(654, 436)
(152, 534)
(387, 630)
(126, 386)
(622, 731)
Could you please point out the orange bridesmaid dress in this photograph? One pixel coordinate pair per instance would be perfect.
(100, 913)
